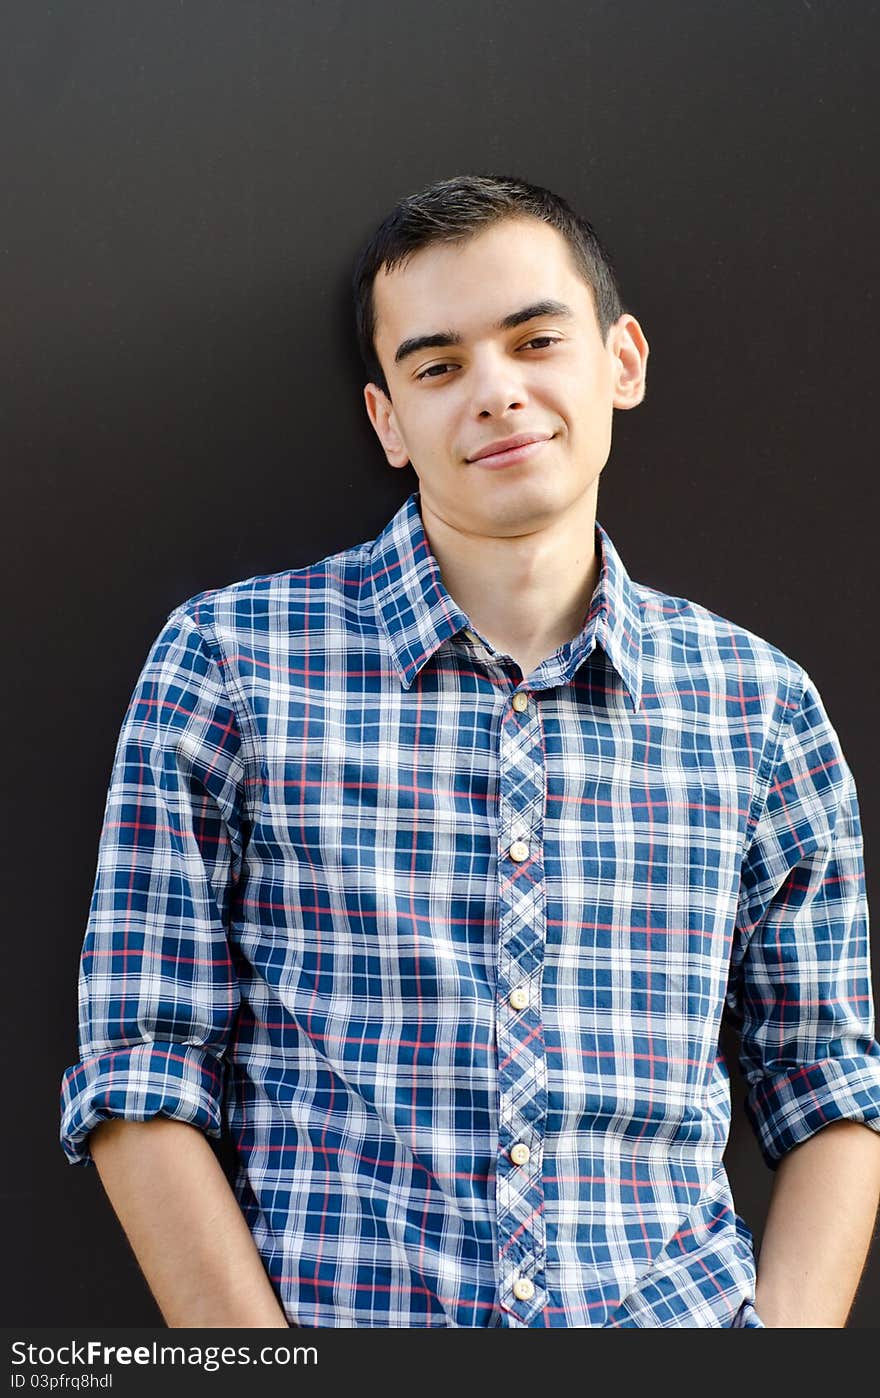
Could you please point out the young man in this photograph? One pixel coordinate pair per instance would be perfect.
(431, 868)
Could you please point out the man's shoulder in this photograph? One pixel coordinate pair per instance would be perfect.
(267, 599)
(678, 629)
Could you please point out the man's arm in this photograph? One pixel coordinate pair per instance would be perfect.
(819, 1227)
(184, 1224)
(159, 991)
(801, 985)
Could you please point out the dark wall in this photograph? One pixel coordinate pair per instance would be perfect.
(184, 188)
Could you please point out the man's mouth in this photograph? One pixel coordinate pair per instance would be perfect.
(508, 450)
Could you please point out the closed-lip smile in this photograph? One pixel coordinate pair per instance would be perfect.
(509, 443)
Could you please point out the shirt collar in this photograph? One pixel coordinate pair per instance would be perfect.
(418, 614)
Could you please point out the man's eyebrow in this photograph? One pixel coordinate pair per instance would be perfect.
(443, 339)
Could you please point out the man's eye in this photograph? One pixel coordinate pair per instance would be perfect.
(438, 371)
(429, 372)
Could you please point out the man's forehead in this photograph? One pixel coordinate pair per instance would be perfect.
(481, 278)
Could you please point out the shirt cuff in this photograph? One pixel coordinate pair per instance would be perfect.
(137, 1083)
(787, 1108)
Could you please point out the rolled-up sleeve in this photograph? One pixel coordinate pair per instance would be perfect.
(803, 990)
(158, 993)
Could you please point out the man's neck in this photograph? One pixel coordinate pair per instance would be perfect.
(527, 595)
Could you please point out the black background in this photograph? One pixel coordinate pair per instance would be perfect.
(185, 186)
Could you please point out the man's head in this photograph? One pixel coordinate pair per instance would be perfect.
(486, 310)
(454, 210)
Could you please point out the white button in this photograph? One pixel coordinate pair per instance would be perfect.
(520, 701)
(470, 635)
(520, 1153)
(523, 1289)
(519, 998)
(519, 850)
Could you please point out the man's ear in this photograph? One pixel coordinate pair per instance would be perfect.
(384, 420)
(630, 361)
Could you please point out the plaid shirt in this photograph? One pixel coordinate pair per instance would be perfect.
(449, 947)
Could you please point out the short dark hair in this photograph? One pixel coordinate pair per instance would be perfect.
(453, 210)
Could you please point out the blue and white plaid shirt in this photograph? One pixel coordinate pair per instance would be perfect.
(449, 947)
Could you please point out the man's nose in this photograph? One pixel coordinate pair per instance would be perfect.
(497, 386)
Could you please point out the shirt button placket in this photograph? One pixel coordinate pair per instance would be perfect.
(522, 1069)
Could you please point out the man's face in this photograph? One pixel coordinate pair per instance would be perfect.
(526, 358)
